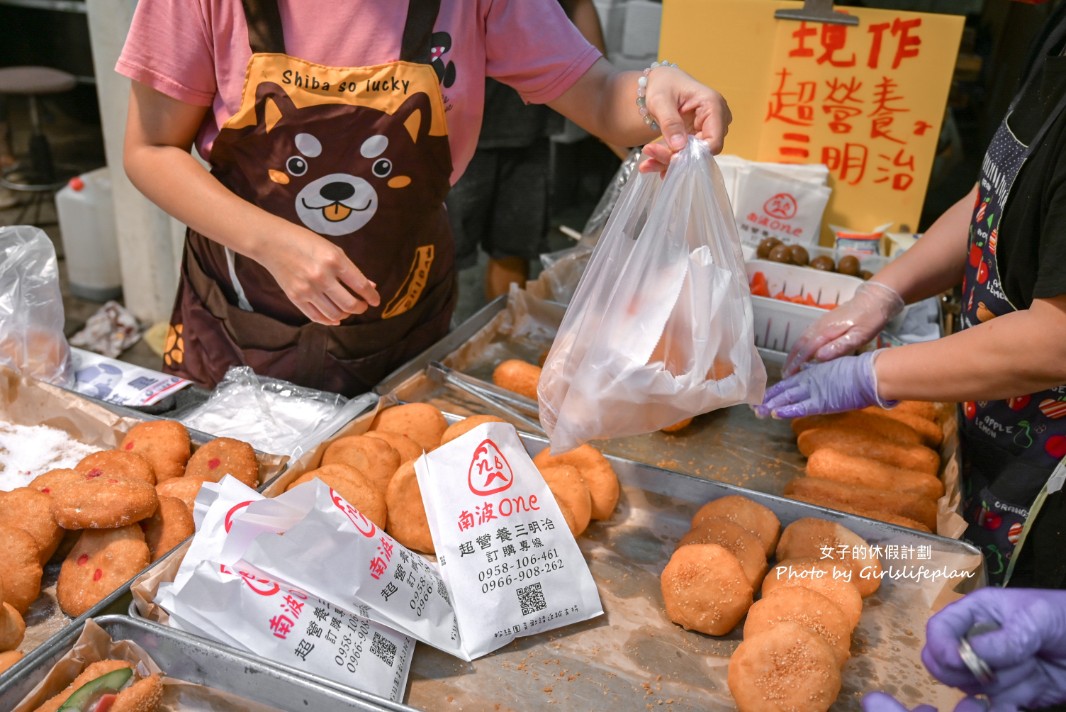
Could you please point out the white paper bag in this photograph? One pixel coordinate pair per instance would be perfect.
(505, 552)
(771, 203)
(247, 610)
(310, 537)
(251, 612)
(216, 504)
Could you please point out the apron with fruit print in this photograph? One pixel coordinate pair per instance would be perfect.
(358, 155)
(1009, 447)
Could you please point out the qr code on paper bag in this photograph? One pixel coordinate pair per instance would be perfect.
(383, 649)
(531, 598)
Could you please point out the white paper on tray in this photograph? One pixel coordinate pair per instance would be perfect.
(311, 540)
(285, 624)
(332, 551)
(506, 554)
(775, 200)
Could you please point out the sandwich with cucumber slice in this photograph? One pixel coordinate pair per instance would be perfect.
(108, 686)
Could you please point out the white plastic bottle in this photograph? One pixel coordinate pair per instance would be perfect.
(87, 222)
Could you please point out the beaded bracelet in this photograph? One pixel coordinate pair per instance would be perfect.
(642, 88)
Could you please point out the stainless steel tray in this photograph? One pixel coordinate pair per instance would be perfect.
(728, 445)
(45, 618)
(103, 423)
(195, 660)
(438, 351)
(634, 655)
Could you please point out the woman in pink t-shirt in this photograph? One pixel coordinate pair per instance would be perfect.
(318, 248)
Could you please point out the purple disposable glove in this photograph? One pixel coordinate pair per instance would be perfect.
(846, 328)
(847, 383)
(1026, 654)
(881, 702)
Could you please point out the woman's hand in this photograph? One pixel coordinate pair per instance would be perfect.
(682, 106)
(603, 102)
(847, 328)
(847, 383)
(318, 277)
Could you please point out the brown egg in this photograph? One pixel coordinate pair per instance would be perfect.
(799, 255)
(762, 252)
(849, 264)
(866, 274)
(781, 253)
(767, 244)
(824, 263)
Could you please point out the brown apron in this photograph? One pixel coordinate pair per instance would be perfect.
(360, 156)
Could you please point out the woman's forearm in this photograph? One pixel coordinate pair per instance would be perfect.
(202, 202)
(603, 102)
(1013, 354)
(159, 133)
(935, 263)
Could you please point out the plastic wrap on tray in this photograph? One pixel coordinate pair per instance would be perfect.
(274, 416)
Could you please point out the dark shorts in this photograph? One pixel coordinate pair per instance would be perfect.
(500, 204)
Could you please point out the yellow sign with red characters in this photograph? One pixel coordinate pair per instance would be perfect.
(866, 100)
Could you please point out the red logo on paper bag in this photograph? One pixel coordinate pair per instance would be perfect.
(782, 206)
(262, 586)
(364, 525)
(232, 511)
(490, 472)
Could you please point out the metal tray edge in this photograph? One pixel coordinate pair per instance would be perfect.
(451, 341)
(14, 686)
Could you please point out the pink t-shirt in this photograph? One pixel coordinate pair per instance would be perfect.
(196, 51)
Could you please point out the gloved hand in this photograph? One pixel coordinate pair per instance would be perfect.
(847, 383)
(881, 702)
(1027, 654)
(842, 330)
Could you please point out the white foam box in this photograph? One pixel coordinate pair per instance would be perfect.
(643, 22)
(779, 323)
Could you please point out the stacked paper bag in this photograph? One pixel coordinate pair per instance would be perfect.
(305, 579)
(781, 200)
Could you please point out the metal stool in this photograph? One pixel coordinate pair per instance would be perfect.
(37, 175)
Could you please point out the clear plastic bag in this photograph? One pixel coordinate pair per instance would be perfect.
(32, 342)
(275, 416)
(596, 222)
(660, 326)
